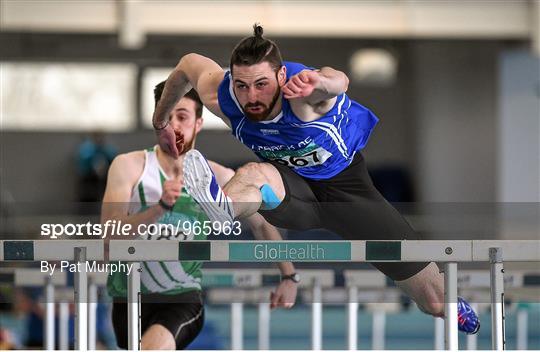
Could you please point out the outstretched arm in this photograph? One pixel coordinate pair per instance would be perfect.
(193, 70)
(316, 86)
(313, 93)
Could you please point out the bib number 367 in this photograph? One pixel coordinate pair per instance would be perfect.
(312, 158)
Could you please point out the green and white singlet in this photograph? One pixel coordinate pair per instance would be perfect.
(162, 277)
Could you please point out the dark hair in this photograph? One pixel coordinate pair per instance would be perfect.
(192, 94)
(256, 49)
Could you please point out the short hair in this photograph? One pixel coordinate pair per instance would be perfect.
(256, 49)
(192, 94)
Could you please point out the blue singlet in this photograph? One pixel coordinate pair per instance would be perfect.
(316, 150)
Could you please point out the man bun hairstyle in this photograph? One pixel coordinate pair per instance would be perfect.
(257, 31)
(192, 94)
(256, 49)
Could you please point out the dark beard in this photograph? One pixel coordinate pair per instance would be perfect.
(263, 115)
(182, 145)
(187, 146)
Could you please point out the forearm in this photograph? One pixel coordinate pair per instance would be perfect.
(176, 86)
(332, 83)
(286, 268)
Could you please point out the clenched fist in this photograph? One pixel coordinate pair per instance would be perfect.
(285, 295)
(172, 188)
(301, 85)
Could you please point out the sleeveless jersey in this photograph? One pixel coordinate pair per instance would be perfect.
(316, 150)
(162, 277)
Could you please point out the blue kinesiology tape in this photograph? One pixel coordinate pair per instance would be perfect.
(269, 199)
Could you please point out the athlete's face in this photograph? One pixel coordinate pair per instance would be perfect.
(258, 88)
(185, 124)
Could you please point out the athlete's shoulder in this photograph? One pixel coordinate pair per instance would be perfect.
(294, 68)
(129, 163)
(130, 157)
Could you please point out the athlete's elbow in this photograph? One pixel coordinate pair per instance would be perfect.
(340, 81)
(345, 81)
(186, 60)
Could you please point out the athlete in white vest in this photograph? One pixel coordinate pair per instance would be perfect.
(146, 187)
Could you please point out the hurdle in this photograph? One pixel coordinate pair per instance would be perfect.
(54, 284)
(72, 250)
(448, 252)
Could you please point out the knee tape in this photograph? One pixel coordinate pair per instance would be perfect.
(269, 199)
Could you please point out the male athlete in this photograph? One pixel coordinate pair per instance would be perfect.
(308, 134)
(146, 187)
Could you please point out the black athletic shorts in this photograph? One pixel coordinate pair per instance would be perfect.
(182, 315)
(347, 204)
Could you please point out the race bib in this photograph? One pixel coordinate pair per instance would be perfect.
(312, 155)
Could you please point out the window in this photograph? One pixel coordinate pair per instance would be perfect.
(67, 96)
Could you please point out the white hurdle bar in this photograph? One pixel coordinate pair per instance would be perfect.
(522, 327)
(450, 307)
(49, 314)
(80, 285)
(264, 326)
(497, 299)
(63, 325)
(134, 308)
(352, 318)
(356, 280)
(448, 252)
